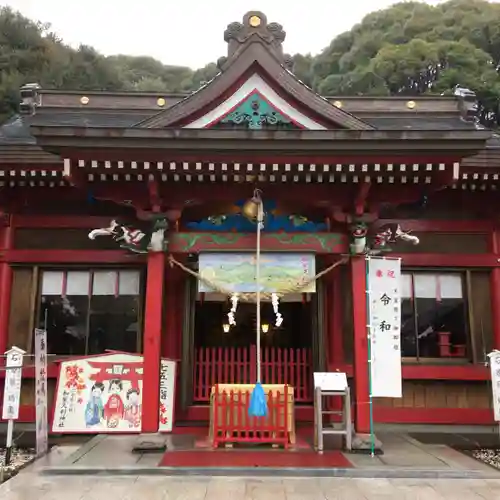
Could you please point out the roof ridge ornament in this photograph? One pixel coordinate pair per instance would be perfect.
(254, 26)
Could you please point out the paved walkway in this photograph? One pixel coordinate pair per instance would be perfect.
(404, 457)
(28, 486)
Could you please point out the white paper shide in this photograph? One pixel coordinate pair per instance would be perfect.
(384, 297)
(42, 429)
(13, 378)
(495, 382)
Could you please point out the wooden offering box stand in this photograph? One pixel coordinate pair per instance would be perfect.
(230, 422)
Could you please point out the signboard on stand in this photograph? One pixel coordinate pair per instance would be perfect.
(103, 394)
(13, 379)
(330, 381)
(12, 394)
(384, 311)
(42, 430)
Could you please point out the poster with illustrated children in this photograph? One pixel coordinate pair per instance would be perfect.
(103, 394)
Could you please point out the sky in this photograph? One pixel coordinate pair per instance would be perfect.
(190, 32)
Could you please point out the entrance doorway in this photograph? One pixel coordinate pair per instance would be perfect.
(227, 354)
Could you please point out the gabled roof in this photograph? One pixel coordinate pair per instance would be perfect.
(255, 63)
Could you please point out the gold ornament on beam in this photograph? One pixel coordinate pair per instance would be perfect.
(251, 207)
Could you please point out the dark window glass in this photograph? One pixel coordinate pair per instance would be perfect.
(434, 320)
(89, 312)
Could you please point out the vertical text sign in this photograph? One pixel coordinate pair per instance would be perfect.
(167, 394)
(495, 382)
(42, 431)
(12, 389)
(384, 294)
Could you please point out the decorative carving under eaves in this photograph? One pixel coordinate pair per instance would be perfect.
(255, 113)
(134, 239)
(274, 222)
(378, 242)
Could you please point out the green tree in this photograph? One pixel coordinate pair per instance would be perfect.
(413, 48)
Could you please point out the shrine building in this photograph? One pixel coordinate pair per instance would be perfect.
(161, 182)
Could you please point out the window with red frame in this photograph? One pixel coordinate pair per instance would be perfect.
(434, 315)
(90, 311)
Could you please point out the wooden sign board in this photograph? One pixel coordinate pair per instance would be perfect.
(330, 381)
(103, 394)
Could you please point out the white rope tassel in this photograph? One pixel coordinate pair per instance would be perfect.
(234, 305)
(275, 300)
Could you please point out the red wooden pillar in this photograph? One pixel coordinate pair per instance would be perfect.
(495, 294)
(5, 289)
(171, 312)
(152, 341)
(361, 382)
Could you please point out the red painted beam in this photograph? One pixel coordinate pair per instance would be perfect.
(445, 372)
(467, 372)
(448, 260)
(71, 257)
(442, 226)
(60, 221)
(152, 155)
(361, 196)
(445, 416)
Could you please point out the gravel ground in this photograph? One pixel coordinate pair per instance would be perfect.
(488, 456)
(20, 457)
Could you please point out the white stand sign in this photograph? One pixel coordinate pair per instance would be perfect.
(12, 393)
(384, 308)
(42, 431)
(330, 381)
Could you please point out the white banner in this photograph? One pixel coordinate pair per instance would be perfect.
(384, 318)
(42, 428)
(495, 382)
(12, 388)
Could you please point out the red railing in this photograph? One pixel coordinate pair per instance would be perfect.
(237, 365)
(232, 424)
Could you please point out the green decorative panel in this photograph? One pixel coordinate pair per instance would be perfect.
(255, 113)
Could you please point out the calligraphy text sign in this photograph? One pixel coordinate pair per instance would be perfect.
(42, 431)
(384, 298)
(495, 382)
(167, 391)
(330, 381)
(104, 394)
(12, 387)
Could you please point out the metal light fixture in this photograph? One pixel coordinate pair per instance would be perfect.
(265, 327)
(225, 327)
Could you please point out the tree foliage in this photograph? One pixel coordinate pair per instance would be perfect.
(413, 48)
(409, 49)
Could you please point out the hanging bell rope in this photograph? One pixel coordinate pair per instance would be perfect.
(250, 297)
